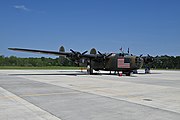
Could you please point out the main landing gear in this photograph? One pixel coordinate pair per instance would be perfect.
(89, 70)
(127, 73)
(147, 70)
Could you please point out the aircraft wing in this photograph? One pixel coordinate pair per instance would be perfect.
(67, 54)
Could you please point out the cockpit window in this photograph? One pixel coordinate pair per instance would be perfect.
(124, 54)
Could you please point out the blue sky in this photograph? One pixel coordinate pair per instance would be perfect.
(145, 26)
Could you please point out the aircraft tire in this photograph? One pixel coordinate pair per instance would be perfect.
(127, 73)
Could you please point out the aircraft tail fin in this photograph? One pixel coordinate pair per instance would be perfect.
(93, 51)
(61, 49)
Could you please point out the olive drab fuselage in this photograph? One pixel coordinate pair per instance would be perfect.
(118, 62)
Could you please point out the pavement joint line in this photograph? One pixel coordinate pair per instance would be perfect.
(121, 99)
(112, 97)
(37, 110)
(124, 81)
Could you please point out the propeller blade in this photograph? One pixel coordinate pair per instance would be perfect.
(100, 53)
(72, 51)
(84, 52)
(109, 55)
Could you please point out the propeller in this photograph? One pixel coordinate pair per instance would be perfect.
(78, 53)
(105, 55)
(76, 56)
(148, 58)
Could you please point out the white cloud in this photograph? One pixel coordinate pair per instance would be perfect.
(21, 7)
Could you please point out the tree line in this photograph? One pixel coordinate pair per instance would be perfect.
(160, 62)
(165, 62)
(34, 62)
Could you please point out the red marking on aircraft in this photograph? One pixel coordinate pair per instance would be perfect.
(122, 64)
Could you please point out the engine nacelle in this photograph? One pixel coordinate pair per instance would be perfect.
(148, 59)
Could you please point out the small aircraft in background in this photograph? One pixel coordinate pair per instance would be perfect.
(125, 62)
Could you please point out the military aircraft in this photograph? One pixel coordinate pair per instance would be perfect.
(125, 62)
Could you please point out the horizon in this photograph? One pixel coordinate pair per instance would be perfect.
(146, 27)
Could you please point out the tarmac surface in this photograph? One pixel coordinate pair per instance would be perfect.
(74, 95)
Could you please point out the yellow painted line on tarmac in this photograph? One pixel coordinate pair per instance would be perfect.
(36, 95)
(46, 94)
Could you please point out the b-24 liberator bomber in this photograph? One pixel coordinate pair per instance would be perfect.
(125, 62)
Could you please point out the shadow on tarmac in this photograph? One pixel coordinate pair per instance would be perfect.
(75, 73)
(71, 74)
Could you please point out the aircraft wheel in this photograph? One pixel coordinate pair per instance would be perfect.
(127, 73)
(147, 70)
(135, 72)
